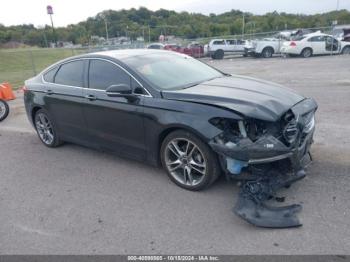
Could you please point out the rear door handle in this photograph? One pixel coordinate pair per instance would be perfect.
(49, 92)
(90, 97)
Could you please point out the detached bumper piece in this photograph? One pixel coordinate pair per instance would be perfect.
(251, 207)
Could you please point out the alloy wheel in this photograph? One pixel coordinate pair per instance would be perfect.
(44, 128)
(185, 162)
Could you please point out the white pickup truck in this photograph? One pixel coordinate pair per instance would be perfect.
(264, 48)
(217, 48)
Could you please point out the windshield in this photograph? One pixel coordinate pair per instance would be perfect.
(171, 70)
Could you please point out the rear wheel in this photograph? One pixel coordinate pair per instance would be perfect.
(346, 50)
(45, 128)
(306, 53)
(189, 162)
(219, 54)
(4, 110)
(267, 52)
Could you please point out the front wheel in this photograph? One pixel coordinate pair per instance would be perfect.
(4, 110)
(46, 129)
(189, 162)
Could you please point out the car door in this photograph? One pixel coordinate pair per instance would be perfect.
(219, 44)
(114, 123)
(240, 45)
(318, 44)
(64, 95)
(231, 45)
(332, 45)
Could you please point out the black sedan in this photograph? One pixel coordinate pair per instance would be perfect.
(169, 109)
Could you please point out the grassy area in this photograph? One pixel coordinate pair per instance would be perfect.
(17, 65)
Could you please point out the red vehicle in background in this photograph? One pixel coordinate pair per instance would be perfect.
(195, 50)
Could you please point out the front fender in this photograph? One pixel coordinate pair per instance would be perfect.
(161, 116)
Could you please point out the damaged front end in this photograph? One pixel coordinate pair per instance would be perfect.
(249, 149)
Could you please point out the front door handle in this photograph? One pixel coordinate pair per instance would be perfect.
(90, 97)
(49, 92)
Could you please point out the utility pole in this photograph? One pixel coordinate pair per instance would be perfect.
(106, 27)
(50, 12)
(334, 24)
(243, 24)
(149, 34)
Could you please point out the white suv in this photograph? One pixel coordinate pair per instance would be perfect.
(217, 48)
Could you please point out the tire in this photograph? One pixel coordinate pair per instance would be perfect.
(306, 53)
(46, 129)
(346, 50)
(196, 166)
(4, 110)
(219, 54)
(267, 52)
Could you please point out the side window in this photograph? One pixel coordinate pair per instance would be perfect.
(231, 42)
(49, 75)
(317, 39)
(217, 42)
(103, 74)
(71, 74)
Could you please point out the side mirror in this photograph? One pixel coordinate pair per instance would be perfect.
(118, 90)
(121, 90)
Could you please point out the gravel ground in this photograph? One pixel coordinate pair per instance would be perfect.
(77, 200)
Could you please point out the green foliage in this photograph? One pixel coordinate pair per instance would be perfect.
(138, 22)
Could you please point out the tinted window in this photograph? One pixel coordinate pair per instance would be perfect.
(103, 74)
(171, 70)
(231, 42)
(71, 74)
(49, 75)
(219, 42)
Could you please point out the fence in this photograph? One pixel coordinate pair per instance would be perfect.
(17, 65)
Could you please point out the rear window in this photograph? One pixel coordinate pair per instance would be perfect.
(50, 75)
(71, 74)
(297, 38)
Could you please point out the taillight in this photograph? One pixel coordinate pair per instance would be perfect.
(24, 89)
(293, 44)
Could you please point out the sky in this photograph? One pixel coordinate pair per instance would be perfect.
(66, 12)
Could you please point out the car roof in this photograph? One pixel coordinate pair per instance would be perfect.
(127, 53)
(316, 34)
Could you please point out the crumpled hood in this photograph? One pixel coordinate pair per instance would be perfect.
(251, 97)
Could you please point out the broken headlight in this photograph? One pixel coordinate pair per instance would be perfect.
(290, 131)
(309, 122)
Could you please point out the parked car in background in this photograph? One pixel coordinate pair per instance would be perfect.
(172, 47)
(315, 44)
(342, 32)
(193, 49)
(217, 48)
(266, 47)
(155, 46)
